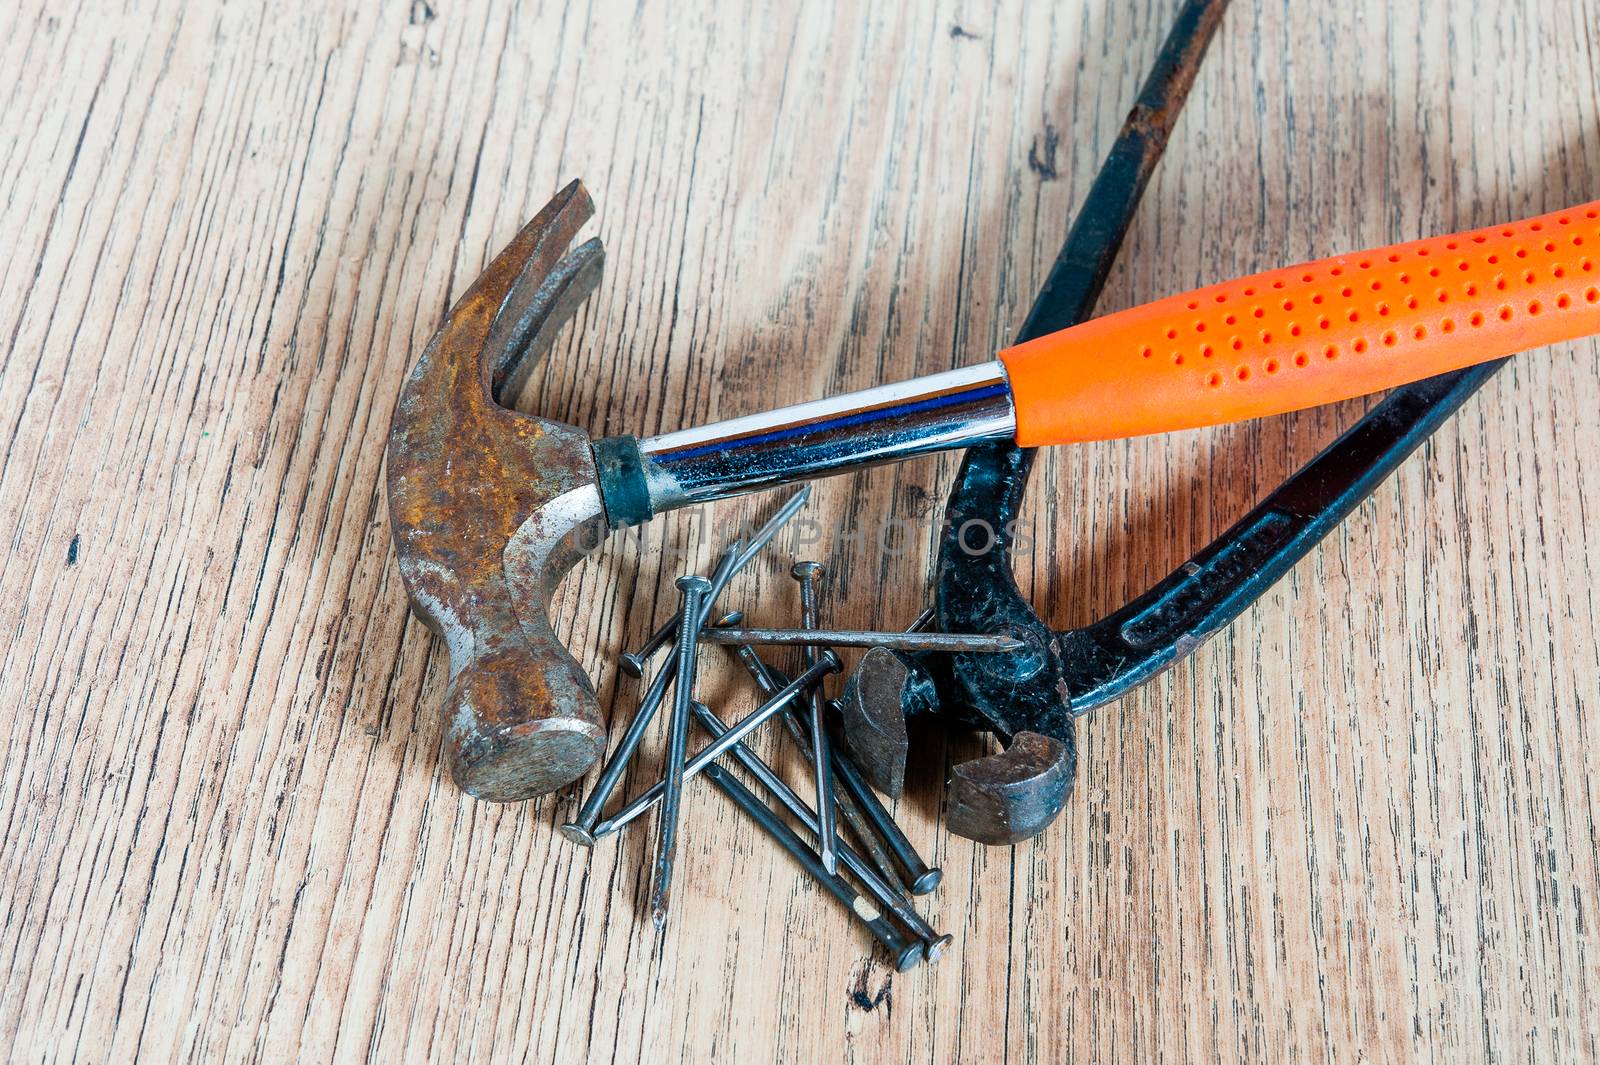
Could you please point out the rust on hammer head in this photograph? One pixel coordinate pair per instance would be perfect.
(490, 509)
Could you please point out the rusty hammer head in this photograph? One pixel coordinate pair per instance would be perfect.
(490, 510)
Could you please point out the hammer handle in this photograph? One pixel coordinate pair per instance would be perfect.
(1266, 344)
(1312, 334)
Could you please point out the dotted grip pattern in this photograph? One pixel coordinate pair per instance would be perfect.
(1312, 334)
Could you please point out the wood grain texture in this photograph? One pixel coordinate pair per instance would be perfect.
(1359, 825)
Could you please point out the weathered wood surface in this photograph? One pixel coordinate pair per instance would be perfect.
(1361, 824)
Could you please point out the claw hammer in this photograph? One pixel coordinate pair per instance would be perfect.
(488, 505)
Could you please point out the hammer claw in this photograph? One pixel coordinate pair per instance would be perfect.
(499, 308)
(533, 313)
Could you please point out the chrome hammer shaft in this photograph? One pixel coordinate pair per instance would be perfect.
(642, 478)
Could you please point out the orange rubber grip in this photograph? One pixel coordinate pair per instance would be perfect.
(1312, 334)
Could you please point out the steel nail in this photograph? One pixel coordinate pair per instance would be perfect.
(808, 574)
(881, 889)
(581, 829)
(774, 524)
(919, 877)
(829, 663)
(848, 810)
(952, 642)
(694, 591)
(906, 953)
(633, 662)
(737, 557)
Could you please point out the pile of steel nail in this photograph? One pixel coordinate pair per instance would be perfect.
(874, 881)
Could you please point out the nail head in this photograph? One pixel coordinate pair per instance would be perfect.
(934, 949)
(577, 834)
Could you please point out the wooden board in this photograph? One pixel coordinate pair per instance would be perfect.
(1360, 824)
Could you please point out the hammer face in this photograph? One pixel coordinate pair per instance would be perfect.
(491, 508)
